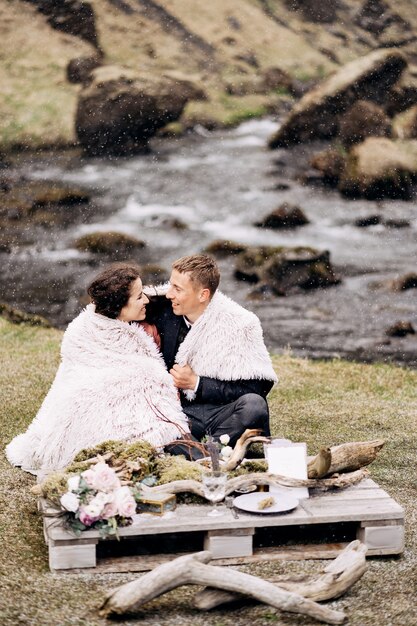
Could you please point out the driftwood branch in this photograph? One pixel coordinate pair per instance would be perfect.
(346, 457)
(262, 478)
(333, 582)
(193, 570)
(249, 436)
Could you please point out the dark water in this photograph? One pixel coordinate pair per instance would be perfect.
(218, 184)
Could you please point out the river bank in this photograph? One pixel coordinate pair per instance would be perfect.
(194, 189)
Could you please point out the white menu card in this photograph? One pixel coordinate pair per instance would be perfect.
(287, 459)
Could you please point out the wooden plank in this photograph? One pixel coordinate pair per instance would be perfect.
(223, 546)
(352, 510)
(384, 522)
(372, 493)
(383, 539)
(72, 556)
(231, 532)
(148, 562)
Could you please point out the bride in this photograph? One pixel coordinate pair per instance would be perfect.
(112, 382)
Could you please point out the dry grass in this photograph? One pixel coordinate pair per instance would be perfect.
(317, 402)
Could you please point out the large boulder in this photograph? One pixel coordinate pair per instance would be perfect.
(74, 17)
(16, 316)
(316, 115)
(380, 168)
(330, 163)
(299, 268)
(363, 119)
(112, 244)
(119, 111)
(282, 269)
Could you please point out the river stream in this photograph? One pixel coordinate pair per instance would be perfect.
(218, 184)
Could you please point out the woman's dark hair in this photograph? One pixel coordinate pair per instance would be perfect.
(110, 290)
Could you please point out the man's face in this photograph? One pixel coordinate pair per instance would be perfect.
(187, 298)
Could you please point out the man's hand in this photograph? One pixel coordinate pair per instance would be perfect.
(184, 377)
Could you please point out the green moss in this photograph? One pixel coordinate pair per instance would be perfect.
(233, 119)
(108, 243)
(251, 465)
(54, 486)
(225, 247)
(170, 468)
(138, 450)
(116, 447)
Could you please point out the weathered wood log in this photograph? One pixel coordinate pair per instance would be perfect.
(193, 569)
(333, 582)
(347, 457)
(249, 436)
(320, 465)
(262, 478)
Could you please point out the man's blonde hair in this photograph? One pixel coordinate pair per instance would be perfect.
(202, 269)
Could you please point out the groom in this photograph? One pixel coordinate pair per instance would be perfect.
(215, 352)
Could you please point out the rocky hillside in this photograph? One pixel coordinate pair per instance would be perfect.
(243, 57)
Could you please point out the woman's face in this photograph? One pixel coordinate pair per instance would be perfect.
(135, 307)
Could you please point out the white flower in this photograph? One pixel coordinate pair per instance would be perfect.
(93, 509)
(70, 501)
(226, 452)
(104, 498)
(224, 439)
(73, 483)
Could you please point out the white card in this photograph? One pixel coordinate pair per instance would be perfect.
(288, 459)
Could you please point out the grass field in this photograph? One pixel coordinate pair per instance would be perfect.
(322, 403)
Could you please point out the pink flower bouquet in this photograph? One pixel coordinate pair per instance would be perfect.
(96, 499)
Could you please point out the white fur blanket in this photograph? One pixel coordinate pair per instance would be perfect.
(112, 384)
(226, 342)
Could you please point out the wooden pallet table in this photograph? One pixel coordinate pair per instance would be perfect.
(365, 510)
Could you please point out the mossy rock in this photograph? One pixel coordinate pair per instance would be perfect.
(249, 262)
(170, 468)
(225, 247)
(153, 274)
(120, 449)
(53, 487)
(61, 196)
(109, 243)
(15, 316)
(285, 216)
(299, 268)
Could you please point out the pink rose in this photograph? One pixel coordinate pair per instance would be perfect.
(85, 517)
(101, 477)
(125, 502)
(110, 510)
(88, 476)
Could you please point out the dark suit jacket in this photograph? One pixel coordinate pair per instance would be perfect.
(210, 390)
